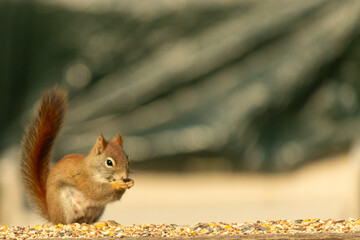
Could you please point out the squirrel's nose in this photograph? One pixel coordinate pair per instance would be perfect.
(123, 176)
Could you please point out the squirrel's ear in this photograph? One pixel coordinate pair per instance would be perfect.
(119, 139)
(100, 145)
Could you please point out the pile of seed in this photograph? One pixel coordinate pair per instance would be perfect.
(112, 229)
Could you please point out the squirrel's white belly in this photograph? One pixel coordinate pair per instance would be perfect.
(77, 207)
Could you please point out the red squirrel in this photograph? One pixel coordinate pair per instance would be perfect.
(79, 186)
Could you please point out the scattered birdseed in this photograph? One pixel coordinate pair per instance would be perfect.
(112, 229)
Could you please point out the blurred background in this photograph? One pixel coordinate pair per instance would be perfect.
(231, 110)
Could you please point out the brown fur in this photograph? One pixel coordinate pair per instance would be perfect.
(79, 186)
(37, 146)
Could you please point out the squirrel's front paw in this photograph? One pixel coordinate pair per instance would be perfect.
(122, 185)
(129, 182)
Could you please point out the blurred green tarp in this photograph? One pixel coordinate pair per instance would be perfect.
(263, 85)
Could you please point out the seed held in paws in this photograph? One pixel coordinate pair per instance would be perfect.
(118, 185)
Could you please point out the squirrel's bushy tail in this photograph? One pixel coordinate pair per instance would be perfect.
(37, 146)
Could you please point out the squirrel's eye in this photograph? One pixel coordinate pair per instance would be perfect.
(109, 162)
